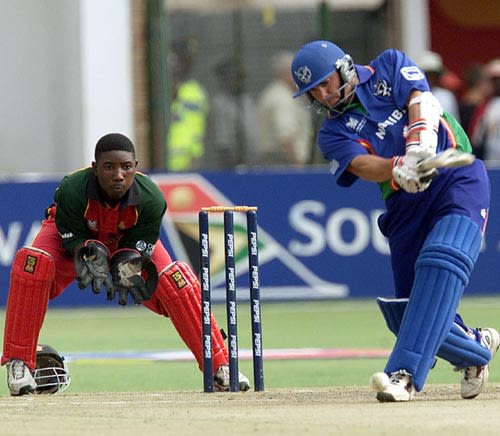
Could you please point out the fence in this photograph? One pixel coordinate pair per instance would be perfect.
(228, 51)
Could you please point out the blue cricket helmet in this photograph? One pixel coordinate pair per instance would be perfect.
(313, 63)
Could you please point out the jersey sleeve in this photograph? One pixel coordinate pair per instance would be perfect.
(71, 202)
(339, 149)
(406, 75)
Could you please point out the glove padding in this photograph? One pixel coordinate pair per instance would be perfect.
(92, 266)
(406, 174)
(127, 270)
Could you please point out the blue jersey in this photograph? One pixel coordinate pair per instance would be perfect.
(375, 126)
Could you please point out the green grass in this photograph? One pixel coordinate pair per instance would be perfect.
(326, 324)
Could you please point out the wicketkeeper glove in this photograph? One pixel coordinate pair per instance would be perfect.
(406, 174)
(132, 274)
(92, 266)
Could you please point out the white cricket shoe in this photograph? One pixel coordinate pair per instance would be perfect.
(396, 387)
(221, 380)
(475, 378)
(19, 378)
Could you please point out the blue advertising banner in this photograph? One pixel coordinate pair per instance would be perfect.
(316, 240)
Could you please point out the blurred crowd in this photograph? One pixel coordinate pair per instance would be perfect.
(473, 99)
(225, 127)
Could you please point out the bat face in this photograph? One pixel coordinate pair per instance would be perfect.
(448, 158)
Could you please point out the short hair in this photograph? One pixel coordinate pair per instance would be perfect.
(113, 141)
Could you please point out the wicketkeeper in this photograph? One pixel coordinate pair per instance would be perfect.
(103, 230)
(384, 125)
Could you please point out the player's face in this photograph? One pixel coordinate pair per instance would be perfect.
(331, 91)
(115, 171)
(327, 92)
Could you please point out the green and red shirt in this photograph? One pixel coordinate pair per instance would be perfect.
(81, 213)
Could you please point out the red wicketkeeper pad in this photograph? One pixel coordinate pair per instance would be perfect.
(179, 290)
(31, 278)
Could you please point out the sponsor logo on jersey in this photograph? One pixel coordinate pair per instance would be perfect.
(92, 224)
(144, 247)
(355, 124)
(141, 245)
(30, 264)
(393, 119)
(412, 73)
(67, 235)
(352, 123)
(149, 250)
(382, 88)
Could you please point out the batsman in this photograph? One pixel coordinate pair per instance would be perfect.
(103, 230)
(382, 124)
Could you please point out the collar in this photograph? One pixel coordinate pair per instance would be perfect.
(364, 72)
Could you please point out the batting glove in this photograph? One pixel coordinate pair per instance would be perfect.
(405, 174)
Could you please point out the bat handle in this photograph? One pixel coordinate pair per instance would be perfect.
(429, 177)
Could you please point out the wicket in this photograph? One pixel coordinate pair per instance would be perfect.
(206, 310)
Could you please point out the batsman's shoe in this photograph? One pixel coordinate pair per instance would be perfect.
(396, 387)
(19, 378)
(221, 380)
(475, 378)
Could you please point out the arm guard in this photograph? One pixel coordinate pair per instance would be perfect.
(426, 126)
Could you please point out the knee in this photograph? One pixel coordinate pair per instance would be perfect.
(34, 263)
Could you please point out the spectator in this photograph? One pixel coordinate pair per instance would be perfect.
(188, 112)
(452, 82)
(478, 89)
(486, 128)
(285, 125)
(232, 117)
(431, 64)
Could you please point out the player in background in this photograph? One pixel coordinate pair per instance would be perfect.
(105, 222)
(284, 137)
(381, 122)
(431, 63)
